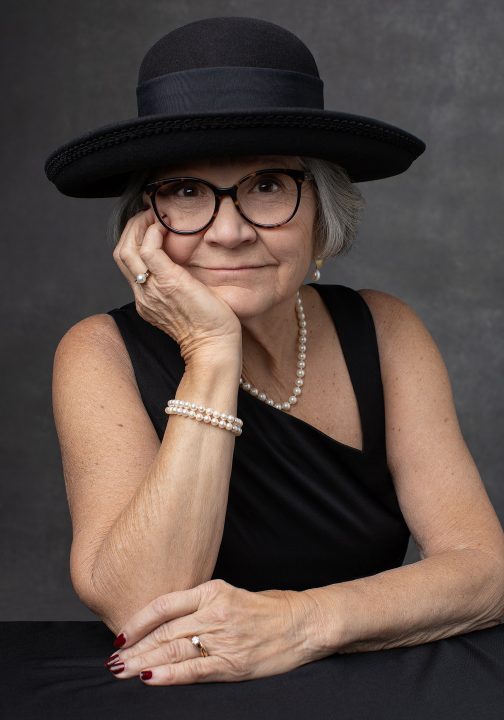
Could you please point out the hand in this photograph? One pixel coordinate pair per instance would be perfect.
(171, 298)
(247, 635)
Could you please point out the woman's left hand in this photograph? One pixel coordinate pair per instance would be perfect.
(247, 635)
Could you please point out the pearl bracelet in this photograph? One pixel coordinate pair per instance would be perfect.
(205, 414)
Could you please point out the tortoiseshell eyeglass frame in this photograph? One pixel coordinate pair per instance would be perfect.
(299, 176)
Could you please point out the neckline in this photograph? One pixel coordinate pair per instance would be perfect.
(299, 421)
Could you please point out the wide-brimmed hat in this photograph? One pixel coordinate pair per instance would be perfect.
(228, 86)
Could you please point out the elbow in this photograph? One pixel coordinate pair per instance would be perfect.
(111, 602)
(114, 609)
(106, 609)
(108, 612)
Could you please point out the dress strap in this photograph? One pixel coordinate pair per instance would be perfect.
(356, 331)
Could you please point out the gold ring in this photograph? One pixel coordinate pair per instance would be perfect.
(197, 643)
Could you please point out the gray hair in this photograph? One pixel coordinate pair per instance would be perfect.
(339, 207)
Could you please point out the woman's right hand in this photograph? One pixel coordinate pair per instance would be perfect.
(171, 298)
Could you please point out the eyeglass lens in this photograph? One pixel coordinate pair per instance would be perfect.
(188, 205)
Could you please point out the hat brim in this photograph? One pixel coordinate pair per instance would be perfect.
(99, 163)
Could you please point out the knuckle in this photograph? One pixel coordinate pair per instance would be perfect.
(160, 604)
(216, 585)
(144, 252)
(178, 649)
(173, 650)
(129, 223)
(160, 634)
(226, 592)
(125, 253)
(141, 661)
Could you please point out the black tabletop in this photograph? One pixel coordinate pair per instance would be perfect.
(55, 670)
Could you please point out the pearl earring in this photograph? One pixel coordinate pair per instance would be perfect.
(316, 273)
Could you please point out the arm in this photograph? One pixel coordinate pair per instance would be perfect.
(156, 510)
(458, 585)
(448, 594)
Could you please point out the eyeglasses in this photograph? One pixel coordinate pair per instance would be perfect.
(266, 198)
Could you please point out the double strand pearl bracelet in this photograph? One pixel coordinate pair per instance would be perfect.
(206, 414)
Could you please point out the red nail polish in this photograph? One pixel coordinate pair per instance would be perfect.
(119, 641)
(111, 660)
(146, 674)
(116, 669)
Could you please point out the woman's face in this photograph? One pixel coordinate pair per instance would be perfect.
(282, 253)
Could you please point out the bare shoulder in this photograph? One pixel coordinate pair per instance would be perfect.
(400, 331)
(387, 310)
(406, 348)
(95, 333)
(100, 328)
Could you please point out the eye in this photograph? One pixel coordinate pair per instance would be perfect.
(268, 184)
(184, 189)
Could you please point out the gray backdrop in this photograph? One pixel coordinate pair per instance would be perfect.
(432, 236)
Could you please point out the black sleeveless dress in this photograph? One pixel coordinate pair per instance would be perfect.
(303, 511)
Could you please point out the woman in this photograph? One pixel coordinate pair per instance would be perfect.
(264, 529)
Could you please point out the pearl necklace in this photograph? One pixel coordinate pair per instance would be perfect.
(296, 392)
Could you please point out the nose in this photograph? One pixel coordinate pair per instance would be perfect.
(229, 226)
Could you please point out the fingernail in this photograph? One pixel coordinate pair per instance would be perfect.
(111, 660)
(146, 674)
(119, 641)
(116, 669)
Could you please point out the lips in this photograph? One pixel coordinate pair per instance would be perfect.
(242, 267)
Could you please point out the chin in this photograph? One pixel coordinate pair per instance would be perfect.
(242, 299)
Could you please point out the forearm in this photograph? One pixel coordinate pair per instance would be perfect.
(443, 595)
(168, 537)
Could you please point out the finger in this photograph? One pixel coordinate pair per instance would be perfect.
(180, 628)
(151, 251)
(161, 636)
(160, 610)
(199, 670)
(118, 250)
(131, 241)
(126, 253)
(130, 664)
(126, 230)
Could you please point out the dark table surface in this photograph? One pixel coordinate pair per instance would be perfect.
(55, 670)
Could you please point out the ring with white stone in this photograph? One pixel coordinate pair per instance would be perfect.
(196, 642)
(142, 277)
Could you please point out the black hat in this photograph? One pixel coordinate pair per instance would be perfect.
(228, 86)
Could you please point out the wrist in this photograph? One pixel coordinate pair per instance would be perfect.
(215, 357)
(212, 381)
(319, 622)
